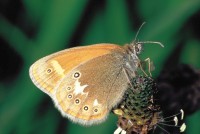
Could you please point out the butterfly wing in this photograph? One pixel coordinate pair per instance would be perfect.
(47, 72)
(88, 92)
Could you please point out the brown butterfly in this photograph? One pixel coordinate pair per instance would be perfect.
(85, 83)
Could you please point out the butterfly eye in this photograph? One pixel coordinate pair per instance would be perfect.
(77, 74)
(138, 48)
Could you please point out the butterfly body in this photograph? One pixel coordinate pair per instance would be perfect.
(85, 83)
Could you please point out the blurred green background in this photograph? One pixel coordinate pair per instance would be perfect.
(31, 29)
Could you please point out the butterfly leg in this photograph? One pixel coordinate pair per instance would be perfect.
(149, 65)
(141, 67)
(127, 76)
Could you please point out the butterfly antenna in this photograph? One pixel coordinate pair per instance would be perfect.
(145, 42)
(151, 42)
(138, 31)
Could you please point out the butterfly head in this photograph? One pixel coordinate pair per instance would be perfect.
(137, 48)
(138, 45)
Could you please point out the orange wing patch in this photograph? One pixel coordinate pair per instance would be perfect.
(47, 72)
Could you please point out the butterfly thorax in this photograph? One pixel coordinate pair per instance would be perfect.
(132, 51)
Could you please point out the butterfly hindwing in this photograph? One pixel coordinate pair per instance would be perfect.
(89, 91)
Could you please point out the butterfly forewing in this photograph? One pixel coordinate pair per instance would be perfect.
(47, 72)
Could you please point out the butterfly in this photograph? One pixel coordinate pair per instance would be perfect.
(86, 82)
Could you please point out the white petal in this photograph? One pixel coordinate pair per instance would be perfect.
(183, 127)
(182, 114)
(123, 132)
(118, 130)
(176, 121)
